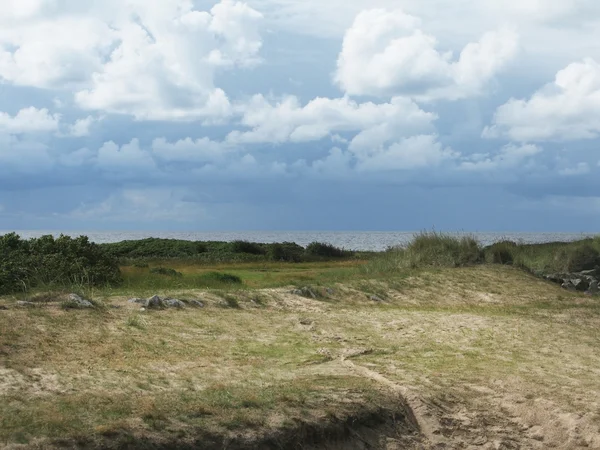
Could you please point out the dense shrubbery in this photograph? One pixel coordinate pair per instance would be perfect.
(325, 250)
(286, 251)
(54, 262)
(165, 271)
(252, 248)
(215, 252)
(155, 248)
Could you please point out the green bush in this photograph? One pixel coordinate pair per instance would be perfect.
(325, 250)
(437, 249)
(47, 261)
(286, 251)
(582, 257)
(251, 248)
(219, 278)
(156, 248)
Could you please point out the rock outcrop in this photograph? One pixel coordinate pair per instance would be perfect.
(587, 281)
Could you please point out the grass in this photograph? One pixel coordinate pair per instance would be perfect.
(257, 359)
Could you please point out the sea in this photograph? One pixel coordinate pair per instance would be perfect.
(349, 240)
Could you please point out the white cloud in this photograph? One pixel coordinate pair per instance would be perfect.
(29, 120)
(414, 152)
(289, 121)
(188, 150)
(18, 156)
(129, 158)
(81, 127)
(510, 156)
(385, 53)
(77, 158)
(150, 59)
(568, 109)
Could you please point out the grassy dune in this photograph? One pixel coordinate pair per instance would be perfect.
(467, 347)
(441, 343)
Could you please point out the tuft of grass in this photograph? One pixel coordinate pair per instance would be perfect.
(137, 321)
(429, 249)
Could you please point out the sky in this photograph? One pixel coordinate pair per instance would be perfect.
(300, 115)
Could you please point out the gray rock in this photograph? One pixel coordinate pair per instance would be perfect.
(594, 288)
(174, 303)
(569, 286)
(376, 298)
(26, 304)
(196, 304)
(79, 302)
(330, 291)
(155, 303)
(580, 284)
(305, 292)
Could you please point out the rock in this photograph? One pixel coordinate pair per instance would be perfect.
(174, 303)
(306, 322)
(568, 286)
(330, 291)
(141, 301)
(26, 305)
(305, 292)
(196, 304)
(155, 303)
(3, 308)
(376, 298)
(580, 284)
(594, 288)
(78, 302)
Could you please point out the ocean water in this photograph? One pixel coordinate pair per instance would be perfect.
(351, 240)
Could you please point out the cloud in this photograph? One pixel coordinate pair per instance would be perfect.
(145, 204)
(20, 156)
(151, 59)
(289, 121)
(29, 120)
(567, 109)
(129, 158)
(81, 127)
(188, 150)
(581, 168)
(385, 53)
(415, 152)
(510, 156)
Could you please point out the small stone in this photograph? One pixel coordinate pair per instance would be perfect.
(306, 322)
(140, 301)
(330, 291)
(3, 308)
(196, 303)
(26, 304)
(305, 292)
(376, 298)
(568, 286)
(594, 288)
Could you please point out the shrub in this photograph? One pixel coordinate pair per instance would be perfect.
(583, 257)
(165, 271)
(156, 248)
(286, 251)
(220, 278)
(247, 247)
(47, 261)
(325, 250)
